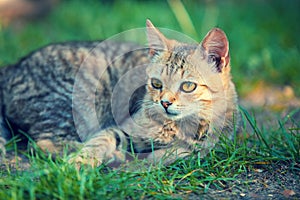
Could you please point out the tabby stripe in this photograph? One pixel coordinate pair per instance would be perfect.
(118, 139)
(53, 85)
(112, 75)
(168, 62)
(19, 81)
(167, 68)
(34, 97)
(64, 79)
(182, 63)
(130, 144)
(176, 69)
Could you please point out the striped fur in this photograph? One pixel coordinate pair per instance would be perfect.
(37, 96)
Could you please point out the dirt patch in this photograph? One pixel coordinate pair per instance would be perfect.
(277, 181)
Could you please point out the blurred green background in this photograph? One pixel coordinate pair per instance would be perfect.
(263, 34)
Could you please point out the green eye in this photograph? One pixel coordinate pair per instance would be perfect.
(188, 86)
(157, 84)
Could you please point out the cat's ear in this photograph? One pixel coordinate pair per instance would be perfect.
(156, 40)
(216, 47)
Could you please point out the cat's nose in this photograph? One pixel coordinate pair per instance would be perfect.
(165, 104)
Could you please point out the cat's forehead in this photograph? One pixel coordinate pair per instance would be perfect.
(177, 62)
(175, 69)
(180, 52)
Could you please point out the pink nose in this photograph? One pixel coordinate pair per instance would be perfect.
(165, 104)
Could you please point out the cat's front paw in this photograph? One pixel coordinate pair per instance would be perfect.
(84, 160)
(95, 159)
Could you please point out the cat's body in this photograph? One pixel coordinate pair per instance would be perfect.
(117, 97)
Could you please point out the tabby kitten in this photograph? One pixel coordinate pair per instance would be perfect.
(109, 98)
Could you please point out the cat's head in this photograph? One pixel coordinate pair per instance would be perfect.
(183, 78)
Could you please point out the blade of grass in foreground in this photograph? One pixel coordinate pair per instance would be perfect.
(253, 124)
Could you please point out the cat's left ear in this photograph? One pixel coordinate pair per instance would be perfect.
(157, 41)
(216, 47)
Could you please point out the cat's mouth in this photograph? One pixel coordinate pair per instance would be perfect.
(171, 113)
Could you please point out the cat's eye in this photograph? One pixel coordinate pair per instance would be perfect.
(157, 84)
(188, 86)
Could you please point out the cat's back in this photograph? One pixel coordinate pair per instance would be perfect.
(47, 70)
(58, 63)
(40, 86)
(46, 61)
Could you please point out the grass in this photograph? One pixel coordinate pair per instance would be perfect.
(264, 46)
(56, 179)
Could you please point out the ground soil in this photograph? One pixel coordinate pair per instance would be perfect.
(277, 181)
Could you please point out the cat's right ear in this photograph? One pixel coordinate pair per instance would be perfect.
(156, 40)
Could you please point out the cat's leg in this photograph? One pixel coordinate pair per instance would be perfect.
(4, 132)
(168, 135)
(4, 135)
(168, 155)
(53, 140)
(107, 145)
